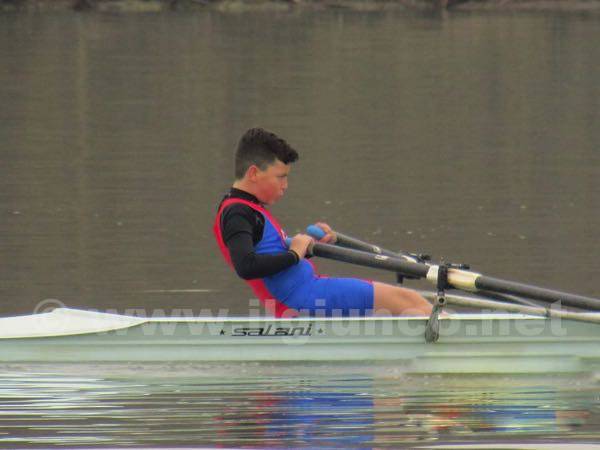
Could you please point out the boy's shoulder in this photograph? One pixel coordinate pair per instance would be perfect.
(239, 217)
(239, 209)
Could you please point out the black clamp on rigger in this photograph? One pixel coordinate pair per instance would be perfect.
(417, 257)
(432, 332)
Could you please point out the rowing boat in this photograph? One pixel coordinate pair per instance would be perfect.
(468, 342)
(526, 337)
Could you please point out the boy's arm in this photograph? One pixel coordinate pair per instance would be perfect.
(247, 263)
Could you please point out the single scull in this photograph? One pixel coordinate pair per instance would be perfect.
(524, 338)
(474, 343)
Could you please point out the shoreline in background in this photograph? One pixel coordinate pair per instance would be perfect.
(582, 6)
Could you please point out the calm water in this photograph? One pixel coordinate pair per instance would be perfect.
(472, 137)
(343, 406)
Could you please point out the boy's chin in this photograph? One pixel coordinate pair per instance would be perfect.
(270, 201)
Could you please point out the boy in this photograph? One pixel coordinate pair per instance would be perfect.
(253, 243)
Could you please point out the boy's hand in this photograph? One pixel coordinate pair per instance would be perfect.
(330, 236)
(300, 244)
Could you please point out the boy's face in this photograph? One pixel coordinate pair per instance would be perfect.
(272, 182)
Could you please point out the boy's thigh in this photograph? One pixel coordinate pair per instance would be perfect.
(334, 297)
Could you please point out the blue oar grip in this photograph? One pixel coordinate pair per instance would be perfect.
(288, 241)
(315, 231)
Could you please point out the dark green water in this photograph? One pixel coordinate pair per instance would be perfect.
(472, 137)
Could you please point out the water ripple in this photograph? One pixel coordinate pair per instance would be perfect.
(285, 405)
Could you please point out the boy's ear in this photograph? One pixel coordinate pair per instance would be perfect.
(251, 172)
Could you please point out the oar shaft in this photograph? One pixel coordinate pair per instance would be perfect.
(472, 281)
(368, 259)
(344, 240)
(510, 287)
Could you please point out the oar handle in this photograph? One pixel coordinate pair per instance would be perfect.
(315, 231)
(309, 250)
(346, 241)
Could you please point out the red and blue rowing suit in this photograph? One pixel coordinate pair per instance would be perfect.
(252, 242)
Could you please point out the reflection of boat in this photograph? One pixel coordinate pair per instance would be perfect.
(473, 342)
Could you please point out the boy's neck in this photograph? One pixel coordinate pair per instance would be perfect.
(243, 186)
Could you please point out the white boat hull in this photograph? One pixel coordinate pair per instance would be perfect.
(470, 343)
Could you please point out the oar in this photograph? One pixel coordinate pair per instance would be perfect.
(457, 278)
(508, 298)
(351, 242)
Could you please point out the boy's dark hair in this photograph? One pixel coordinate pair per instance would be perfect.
(261, 148)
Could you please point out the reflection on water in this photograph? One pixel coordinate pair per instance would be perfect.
(285, 405)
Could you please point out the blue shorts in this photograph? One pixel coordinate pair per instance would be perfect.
(327, 297)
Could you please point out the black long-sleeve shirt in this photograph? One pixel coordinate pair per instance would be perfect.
(242, 228)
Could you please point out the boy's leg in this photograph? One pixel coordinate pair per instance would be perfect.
(397, 301)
